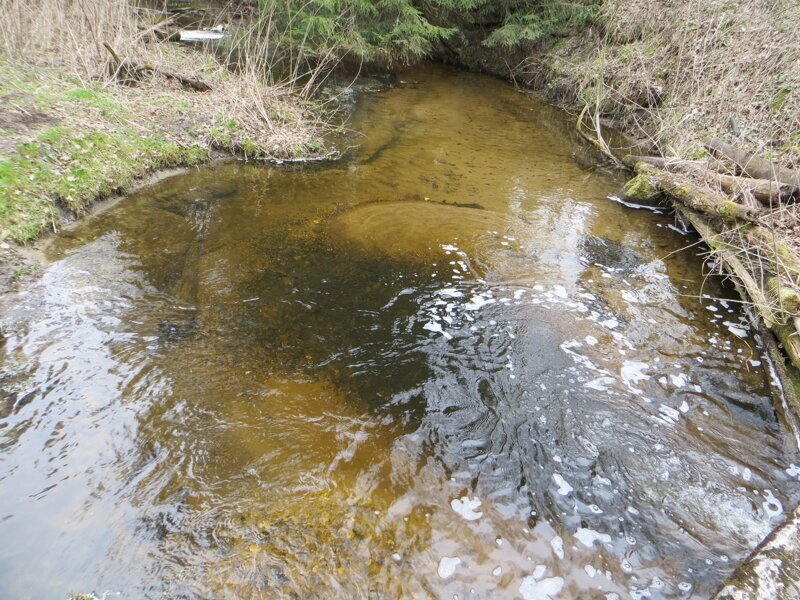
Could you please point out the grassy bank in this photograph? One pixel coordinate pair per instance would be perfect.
(71, 133)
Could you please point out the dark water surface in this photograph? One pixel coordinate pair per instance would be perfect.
(446, 366)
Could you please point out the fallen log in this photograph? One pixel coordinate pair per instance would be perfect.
(735, 267)
(768, 192)
(128, 72)
(690, 195)
(771, 278)
(785, 329)
(787, 263)
(192, 82)
(753, 166)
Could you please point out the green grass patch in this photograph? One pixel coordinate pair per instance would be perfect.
(98, 98)
(72, 169)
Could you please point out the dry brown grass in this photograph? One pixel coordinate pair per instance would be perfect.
(69, 33)
(248, 110)
(678, 71)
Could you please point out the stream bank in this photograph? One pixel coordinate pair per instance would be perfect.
(445, 363)
(84, 118)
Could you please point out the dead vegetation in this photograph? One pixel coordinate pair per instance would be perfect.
(94, 99)
(677, 73)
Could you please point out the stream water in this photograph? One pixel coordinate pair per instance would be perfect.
(444, 366)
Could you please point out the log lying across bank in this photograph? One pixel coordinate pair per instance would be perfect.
(753, 166)
(767, 191)
(737, 216)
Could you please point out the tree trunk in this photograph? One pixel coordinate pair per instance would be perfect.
(754, 166)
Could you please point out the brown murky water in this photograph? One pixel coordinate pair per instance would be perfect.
(444, 366)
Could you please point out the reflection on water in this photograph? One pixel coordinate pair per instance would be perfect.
(446, 366)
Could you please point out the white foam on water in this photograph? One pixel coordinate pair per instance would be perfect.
(736, 329)
(557, 544)
(588, 537)
(560, 291)
(590, 570)
(793, 471)
(629, 296)
(610, 323)
(684, 407)
(600, 383)
(467, 508)
(497, 571)
(772, 506)
(533, 588)
(669, 414)
(448, 566)
(564, 488)
(436, 328)
(632, 372)
(450, 293)
(478, 301)
(678, 380)
(590, 340)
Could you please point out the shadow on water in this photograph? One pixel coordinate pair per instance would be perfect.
(448, 365)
